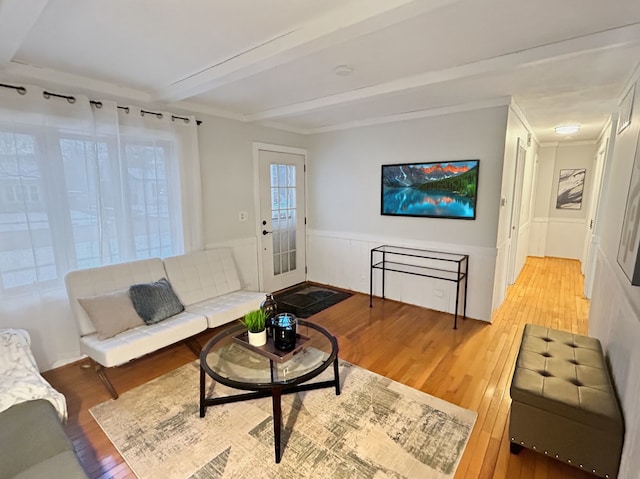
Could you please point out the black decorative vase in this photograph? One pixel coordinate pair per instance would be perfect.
(270, 308)
(284, 331)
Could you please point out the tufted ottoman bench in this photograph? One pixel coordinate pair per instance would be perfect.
(563, 403)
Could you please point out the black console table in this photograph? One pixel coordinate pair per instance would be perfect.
(452, 267)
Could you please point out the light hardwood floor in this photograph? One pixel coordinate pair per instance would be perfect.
(471, 366)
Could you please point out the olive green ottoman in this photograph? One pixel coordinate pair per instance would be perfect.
(563, 403)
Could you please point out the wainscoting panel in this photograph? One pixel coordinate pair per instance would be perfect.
(343, 261)
(565, 238)
(614, 320)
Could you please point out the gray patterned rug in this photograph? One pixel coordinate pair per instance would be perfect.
(376, 428)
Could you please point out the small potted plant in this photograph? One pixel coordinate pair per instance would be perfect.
(255, 321)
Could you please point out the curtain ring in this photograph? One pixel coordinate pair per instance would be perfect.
(71, 99)
(21, 90)
(46, 95)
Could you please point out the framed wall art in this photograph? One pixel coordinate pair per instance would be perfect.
(445, 189)
(570, 189)
(628, 250)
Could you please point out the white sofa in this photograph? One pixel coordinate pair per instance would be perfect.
(206, 282)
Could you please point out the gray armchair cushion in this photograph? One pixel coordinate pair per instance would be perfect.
(33, 443)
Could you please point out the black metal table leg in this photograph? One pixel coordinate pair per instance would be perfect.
(202, 395)
(336, 376)
(276, 400)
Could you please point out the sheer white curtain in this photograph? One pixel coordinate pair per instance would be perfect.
(84, 184)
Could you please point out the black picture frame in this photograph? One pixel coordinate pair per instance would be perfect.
(437, 189)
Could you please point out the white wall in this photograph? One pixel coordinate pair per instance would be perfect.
(344, 204)
(226, 155)
(560, 232)
(615, 306)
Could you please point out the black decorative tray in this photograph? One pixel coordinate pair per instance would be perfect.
(269, 350)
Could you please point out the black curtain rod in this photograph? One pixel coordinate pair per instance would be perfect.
(20, 89)
(98, 104)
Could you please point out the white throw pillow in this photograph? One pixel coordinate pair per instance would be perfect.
(111, 313)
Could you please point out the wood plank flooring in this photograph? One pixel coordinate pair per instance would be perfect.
(471, 366)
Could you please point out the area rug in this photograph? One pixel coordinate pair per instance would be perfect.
(306, 300)
(376, 428)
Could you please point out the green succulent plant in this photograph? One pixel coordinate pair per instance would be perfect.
(254, 320)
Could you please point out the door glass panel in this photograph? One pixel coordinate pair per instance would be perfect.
(283, 217)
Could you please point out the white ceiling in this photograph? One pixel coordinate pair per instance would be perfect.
(273, 61)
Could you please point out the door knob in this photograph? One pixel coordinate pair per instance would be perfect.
(265, 232)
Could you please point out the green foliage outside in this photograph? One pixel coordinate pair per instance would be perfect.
(464, 184)
(254, 320)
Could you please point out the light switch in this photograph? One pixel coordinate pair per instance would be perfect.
(243, 216)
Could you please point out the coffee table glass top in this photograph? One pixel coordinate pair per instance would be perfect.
(238, 366)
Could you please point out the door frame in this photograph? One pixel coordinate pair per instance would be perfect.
(516, 210)
(592, 239)
(257, 147)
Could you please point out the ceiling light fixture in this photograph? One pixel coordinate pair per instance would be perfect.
(566, 129)
(343, 70)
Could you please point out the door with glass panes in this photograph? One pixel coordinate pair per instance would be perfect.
(282, 218)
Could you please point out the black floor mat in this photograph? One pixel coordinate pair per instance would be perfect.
(305, 300)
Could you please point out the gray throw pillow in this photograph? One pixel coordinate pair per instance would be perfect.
(111, 313)
(155, 301)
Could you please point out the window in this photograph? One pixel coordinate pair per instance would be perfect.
(71, 200)
(283, 217)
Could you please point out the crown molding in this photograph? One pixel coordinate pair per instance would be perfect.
(560, 144)
(48, 78)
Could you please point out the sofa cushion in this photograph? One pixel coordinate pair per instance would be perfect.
(142, 340)
(65, 464)
(103, 279)
(228, 307)
(111, 313)
(202, 275)
(33, 434)
(155, 301)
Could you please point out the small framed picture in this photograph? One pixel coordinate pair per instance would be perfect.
(570, 187)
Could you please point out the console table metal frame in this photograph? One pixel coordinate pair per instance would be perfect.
(274, 388)
(458, 274)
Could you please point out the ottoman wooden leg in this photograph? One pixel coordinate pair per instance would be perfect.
(515, 448)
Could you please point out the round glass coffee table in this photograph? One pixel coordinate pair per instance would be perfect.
(265, 371)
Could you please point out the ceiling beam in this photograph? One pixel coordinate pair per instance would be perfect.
(545, 53)
(351, 20)
(17, 17)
